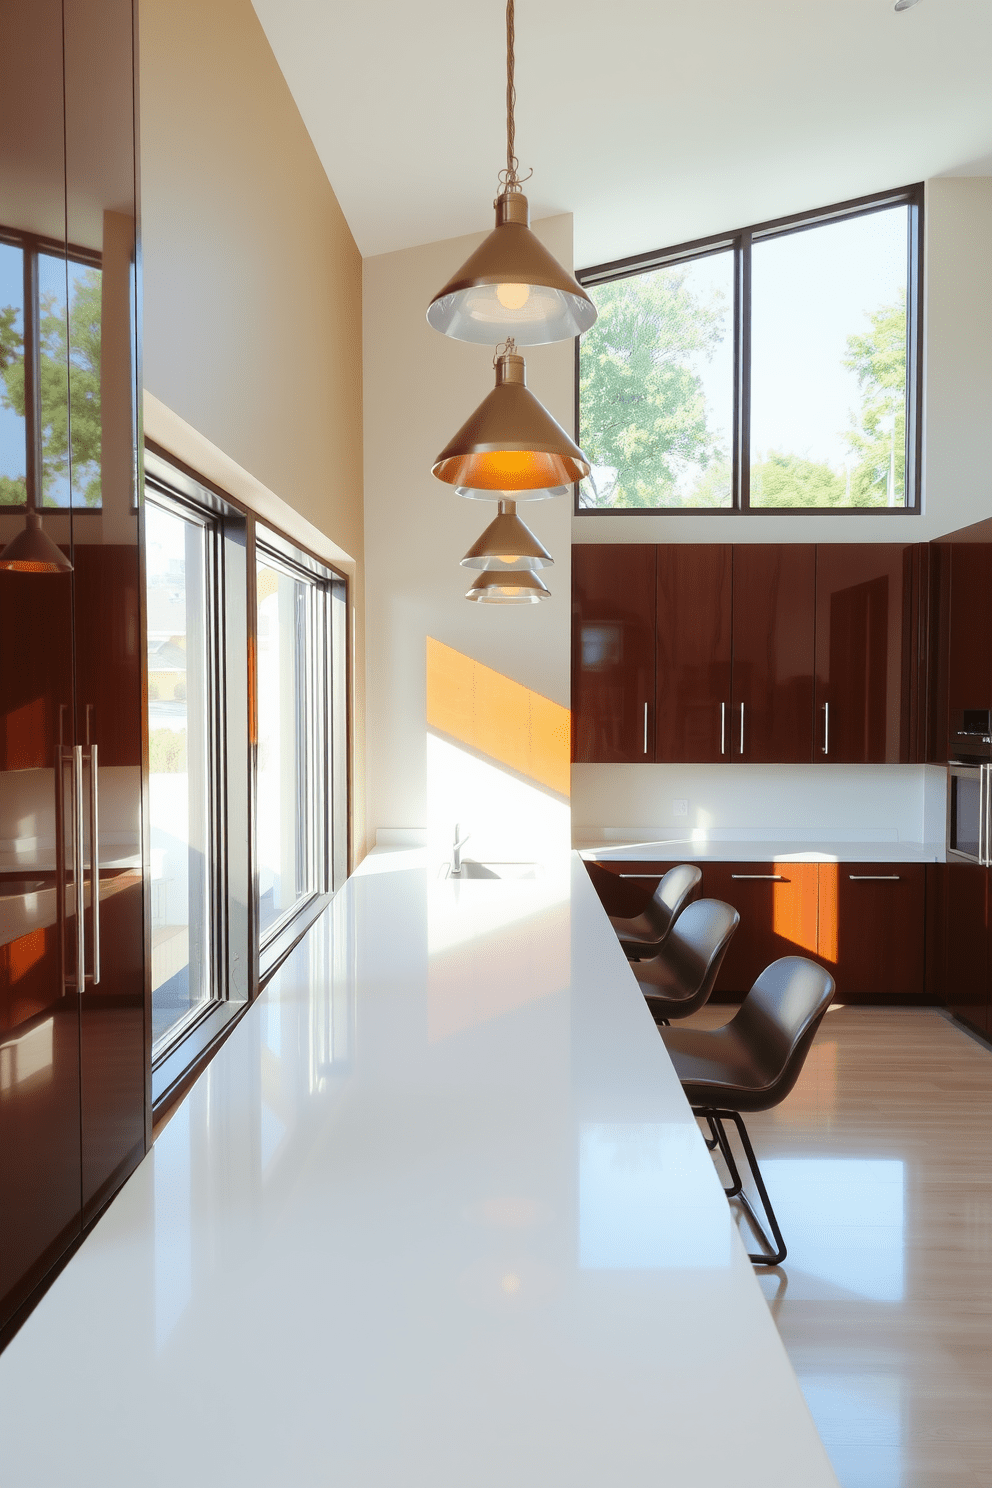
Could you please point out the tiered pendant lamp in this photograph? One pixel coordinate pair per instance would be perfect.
(510, 291)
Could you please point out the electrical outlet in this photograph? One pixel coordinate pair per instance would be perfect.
(680, 808)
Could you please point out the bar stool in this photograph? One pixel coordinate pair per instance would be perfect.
(751, 1065)
(644, 934)
(679, 980)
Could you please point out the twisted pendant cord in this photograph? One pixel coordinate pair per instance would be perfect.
(511, 99)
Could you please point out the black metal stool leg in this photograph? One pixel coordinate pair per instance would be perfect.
(778, 1250)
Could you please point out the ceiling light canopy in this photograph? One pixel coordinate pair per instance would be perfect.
(508, 589)
(32, 551)
(511, 286)
(507, 546)
(510, 445)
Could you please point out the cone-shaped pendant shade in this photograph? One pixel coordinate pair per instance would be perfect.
(512, 286)
(32, 551)
(507, 546)
(511, 443)
(511, 588)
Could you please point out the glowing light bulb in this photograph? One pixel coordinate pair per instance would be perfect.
(513, 296)
(508, 557)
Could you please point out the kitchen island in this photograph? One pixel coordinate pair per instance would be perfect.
(437, 1214)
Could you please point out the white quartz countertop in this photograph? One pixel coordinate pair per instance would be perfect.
(437, 1215)
(684, 849)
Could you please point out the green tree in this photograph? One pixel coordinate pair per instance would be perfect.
(70, 427)
(643, 406)
(878, 436)
(790, 481)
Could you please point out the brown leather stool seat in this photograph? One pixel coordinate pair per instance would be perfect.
(681, 977)
(751, 1065)
(644, 934)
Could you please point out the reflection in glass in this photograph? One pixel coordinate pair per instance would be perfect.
(828, 364)
(290, 740)
(178, 737)
(13, 439)
(53, 374)
(85, 309)
(656, 385)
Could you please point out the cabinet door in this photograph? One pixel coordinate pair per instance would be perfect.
(865, 653)
(777, 906)
(772, 696)
(625, 888)
(872, 928)
(613, 653)
(969, 670)
(693, 649)
(966, 943)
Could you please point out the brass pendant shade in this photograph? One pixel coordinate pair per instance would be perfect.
(507, 589)
(507, 546)
(511, 444)
(511, 286)
(32, 551)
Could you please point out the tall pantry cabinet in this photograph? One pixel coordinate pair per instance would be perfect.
(73, 1027)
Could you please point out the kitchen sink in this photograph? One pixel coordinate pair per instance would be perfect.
(472, 869)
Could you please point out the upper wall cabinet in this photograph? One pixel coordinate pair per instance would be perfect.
(763, 653)
(866, 652)
(613, 652)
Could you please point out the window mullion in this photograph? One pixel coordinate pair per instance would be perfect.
(32, 381)
(742, 375)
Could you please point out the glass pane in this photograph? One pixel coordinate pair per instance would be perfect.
(656, 388)
(13, 446)
(828, 365)
(178, 736)
(285, 650)
(53, 377)
(85, 306)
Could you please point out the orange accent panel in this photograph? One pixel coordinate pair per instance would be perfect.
(829, 933)
(498, 718)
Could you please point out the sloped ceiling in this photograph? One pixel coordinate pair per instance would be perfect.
(653, 122)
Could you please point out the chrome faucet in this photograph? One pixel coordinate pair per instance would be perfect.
(456, 849)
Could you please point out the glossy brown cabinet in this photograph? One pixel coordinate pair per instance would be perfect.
(872, 922)
(777, 903)
(867, 619)
(773, 647)
(694, 620)
(966, 943)
(613, 653)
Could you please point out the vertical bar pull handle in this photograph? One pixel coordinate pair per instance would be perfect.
(742, 728)
(645, 728)
(826, 728)
(723, 728)
(984, 807)
(78, 876)
(95, 864)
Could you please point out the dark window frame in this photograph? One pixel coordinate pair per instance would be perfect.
(740, 243)
(32, 246)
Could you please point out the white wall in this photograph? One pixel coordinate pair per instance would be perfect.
(958, 400)
(419, 388)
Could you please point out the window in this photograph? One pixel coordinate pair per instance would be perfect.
(772, 369)
(50, 330)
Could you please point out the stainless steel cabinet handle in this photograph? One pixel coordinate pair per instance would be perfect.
(655, 877)
(78, 876)
(723, 728)
(94, 864)
(645, 728)
(826, 728)
(771, 877)
(742, 728)
(874, 877)
(984, 801)
(62, 903)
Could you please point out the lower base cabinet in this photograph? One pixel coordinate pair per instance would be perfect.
(966, 944)
(864, 921)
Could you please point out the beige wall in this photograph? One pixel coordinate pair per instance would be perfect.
(419, 388)
(252, 280)
(957, 483)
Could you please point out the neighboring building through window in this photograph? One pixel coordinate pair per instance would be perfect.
(772, 369)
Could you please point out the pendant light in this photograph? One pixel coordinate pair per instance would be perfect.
(508, 589)
(510, 445)
(32, 551)
(507, 546)
(511, 285)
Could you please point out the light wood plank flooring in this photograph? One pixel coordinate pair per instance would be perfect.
(880, 1167)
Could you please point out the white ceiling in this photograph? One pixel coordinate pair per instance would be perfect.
(653, 122)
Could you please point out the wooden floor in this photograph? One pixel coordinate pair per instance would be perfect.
(880, 1167)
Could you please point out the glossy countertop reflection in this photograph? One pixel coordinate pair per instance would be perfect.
(437, 1214)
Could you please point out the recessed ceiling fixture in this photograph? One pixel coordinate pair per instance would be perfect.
(510, 445)
(32, 551)
(511, 285)
(507, 545)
